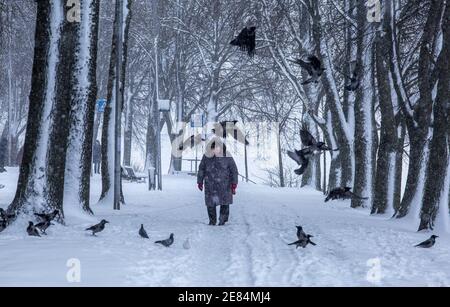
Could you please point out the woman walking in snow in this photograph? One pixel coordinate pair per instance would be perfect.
(218, 174)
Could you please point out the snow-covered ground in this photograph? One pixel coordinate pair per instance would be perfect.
(353, 249)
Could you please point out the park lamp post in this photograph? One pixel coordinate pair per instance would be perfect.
(163, 106)
(155, 174)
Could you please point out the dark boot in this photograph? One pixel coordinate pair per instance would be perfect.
(212, 214)
(224, 214)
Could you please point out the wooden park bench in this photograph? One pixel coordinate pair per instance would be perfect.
(129, 175)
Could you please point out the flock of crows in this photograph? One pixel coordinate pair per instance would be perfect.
(246, 41)
(45, 221)
(304, 239)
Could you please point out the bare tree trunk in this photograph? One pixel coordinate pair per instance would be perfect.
(280, 160)
(311, 177)
(107, 168)
(79, 155)
(340, 127)
(128, 134)
(436, 186)
(400, 144)
(364, 112)
(385, 181)
(418, 123)
(334, 177)
(41, 179)
(151, 143)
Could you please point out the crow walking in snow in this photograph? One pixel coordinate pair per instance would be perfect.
(167, 242)
(302, 159)
(246, 40)
(313, 66)
(43, 226)
(342, 193)
(303, 242)
(32, 231)
(98, 228)
(47, 217)
(143, 233)
(300, 233)
(428, 243)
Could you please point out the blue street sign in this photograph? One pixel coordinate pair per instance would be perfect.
(198, 120)
(101, 104)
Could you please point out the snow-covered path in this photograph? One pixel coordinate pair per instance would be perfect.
(251, 251)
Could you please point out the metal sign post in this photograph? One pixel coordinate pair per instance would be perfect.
(118, 105)
(156, 111)
(197, 121)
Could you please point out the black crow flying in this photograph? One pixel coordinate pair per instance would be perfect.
(313, 66)
(246, 40)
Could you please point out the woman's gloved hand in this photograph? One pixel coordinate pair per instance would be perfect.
(233, 188)
(200, 186)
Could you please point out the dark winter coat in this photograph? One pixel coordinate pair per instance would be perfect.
(97, 154)
(218, 174)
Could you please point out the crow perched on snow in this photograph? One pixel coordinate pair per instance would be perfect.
(143, 233)
(428, 243)
(47, 217)
(313, 66)
(300, 233)
(98, 228)
(246, 40)
(229, 128)
(303, 242)
(167, 242)
(354, 82)
(308, 140)
(302, 159)
(342, 193)
(32, 231)
(43, 226)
